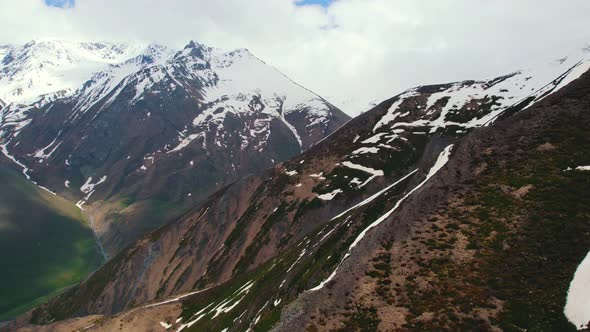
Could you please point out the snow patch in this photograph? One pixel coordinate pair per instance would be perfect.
(41, 154)
(366, 150)
(297, 260)
(9, 156)
(577, 306)
(374, 172)
(88, 187)
(369, 170)
(329, 196)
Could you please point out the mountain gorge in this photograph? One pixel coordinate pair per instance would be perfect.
(433, 211)
(137, 134)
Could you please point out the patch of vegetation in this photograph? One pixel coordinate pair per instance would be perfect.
(75, 299)
(235, 236)
(261, 238)
(361, 319)
(126, 201)
(163, 286)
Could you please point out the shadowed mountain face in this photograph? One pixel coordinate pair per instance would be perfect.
(147, 137)
(440, 194)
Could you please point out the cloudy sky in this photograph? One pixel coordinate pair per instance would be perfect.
(349, 51)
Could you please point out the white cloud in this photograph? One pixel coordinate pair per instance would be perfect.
(355, 49)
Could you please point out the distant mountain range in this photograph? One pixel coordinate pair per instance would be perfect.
(458, 206)
(138, 134)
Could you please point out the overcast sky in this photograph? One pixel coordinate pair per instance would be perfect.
(345, 49)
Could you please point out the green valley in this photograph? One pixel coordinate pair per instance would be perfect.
(45, 244)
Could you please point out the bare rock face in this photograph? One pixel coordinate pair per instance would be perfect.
(153, 131)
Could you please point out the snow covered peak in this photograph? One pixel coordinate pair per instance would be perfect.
(239, 71)
(220, 85)
(235, 80)
(45, 67)
(57, 69)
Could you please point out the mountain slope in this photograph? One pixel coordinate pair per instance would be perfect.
(144, 139)
(491, 242)
(45, 244)
(295, 228)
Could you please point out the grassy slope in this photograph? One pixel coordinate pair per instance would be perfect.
(45, 244)
(526, 249)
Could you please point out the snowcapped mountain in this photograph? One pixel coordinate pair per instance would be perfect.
(109, 123)
(86, 73)
(41, 68)
(376, 224)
